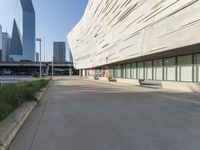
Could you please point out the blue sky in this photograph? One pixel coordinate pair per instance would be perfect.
(54, 18)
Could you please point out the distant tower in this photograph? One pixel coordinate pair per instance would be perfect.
(5, 46)
(59, 52)
(23, 34)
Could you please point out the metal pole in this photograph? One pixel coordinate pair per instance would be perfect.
(52, 67)
(40, 59)
(39, 40)
(70, 70)
(44, 50)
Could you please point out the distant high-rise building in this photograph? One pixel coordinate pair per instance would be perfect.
(0, 43)
(37, 56)
(5, 46)
(23, 34)
(59, 52)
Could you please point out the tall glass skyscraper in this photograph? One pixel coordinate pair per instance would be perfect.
(5, 46)
(23, 34)
(59, 52)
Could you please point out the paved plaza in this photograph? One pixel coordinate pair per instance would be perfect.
(80, 114)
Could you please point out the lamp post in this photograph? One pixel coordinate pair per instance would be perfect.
(40, 40)
(70, 70)
(52, 66)
(44, 50)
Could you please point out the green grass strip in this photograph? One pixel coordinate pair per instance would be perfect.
(12, 96)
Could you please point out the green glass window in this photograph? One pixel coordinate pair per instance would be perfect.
(118, 71)
(141, 70)
(158, 70)
(128, 71)
(123, 71)
(185, 68)
(170, 69)
(134, 71)
(149, 70)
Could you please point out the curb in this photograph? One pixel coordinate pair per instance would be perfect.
(113, 83)
(10, 126)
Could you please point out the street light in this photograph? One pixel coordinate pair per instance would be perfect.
(52, 66)
(44, 50)
(40, 40)
(70, 70)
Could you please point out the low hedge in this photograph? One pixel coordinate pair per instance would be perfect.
(12, 96)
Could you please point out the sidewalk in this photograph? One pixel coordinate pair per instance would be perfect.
(79, 114)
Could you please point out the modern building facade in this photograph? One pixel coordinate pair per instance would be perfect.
(70, 56)
(23, 34)
(69, 53)
(59, 52)
(0, 43)
(5, 46)
(139, 40)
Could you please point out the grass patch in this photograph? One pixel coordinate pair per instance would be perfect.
(12, 96)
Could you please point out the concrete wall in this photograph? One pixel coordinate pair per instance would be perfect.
(172, 86)
(181, 86)
(111, 31)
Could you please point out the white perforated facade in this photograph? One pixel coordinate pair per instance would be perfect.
(139, 39)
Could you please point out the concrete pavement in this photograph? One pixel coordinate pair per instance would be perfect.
(78, 114)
